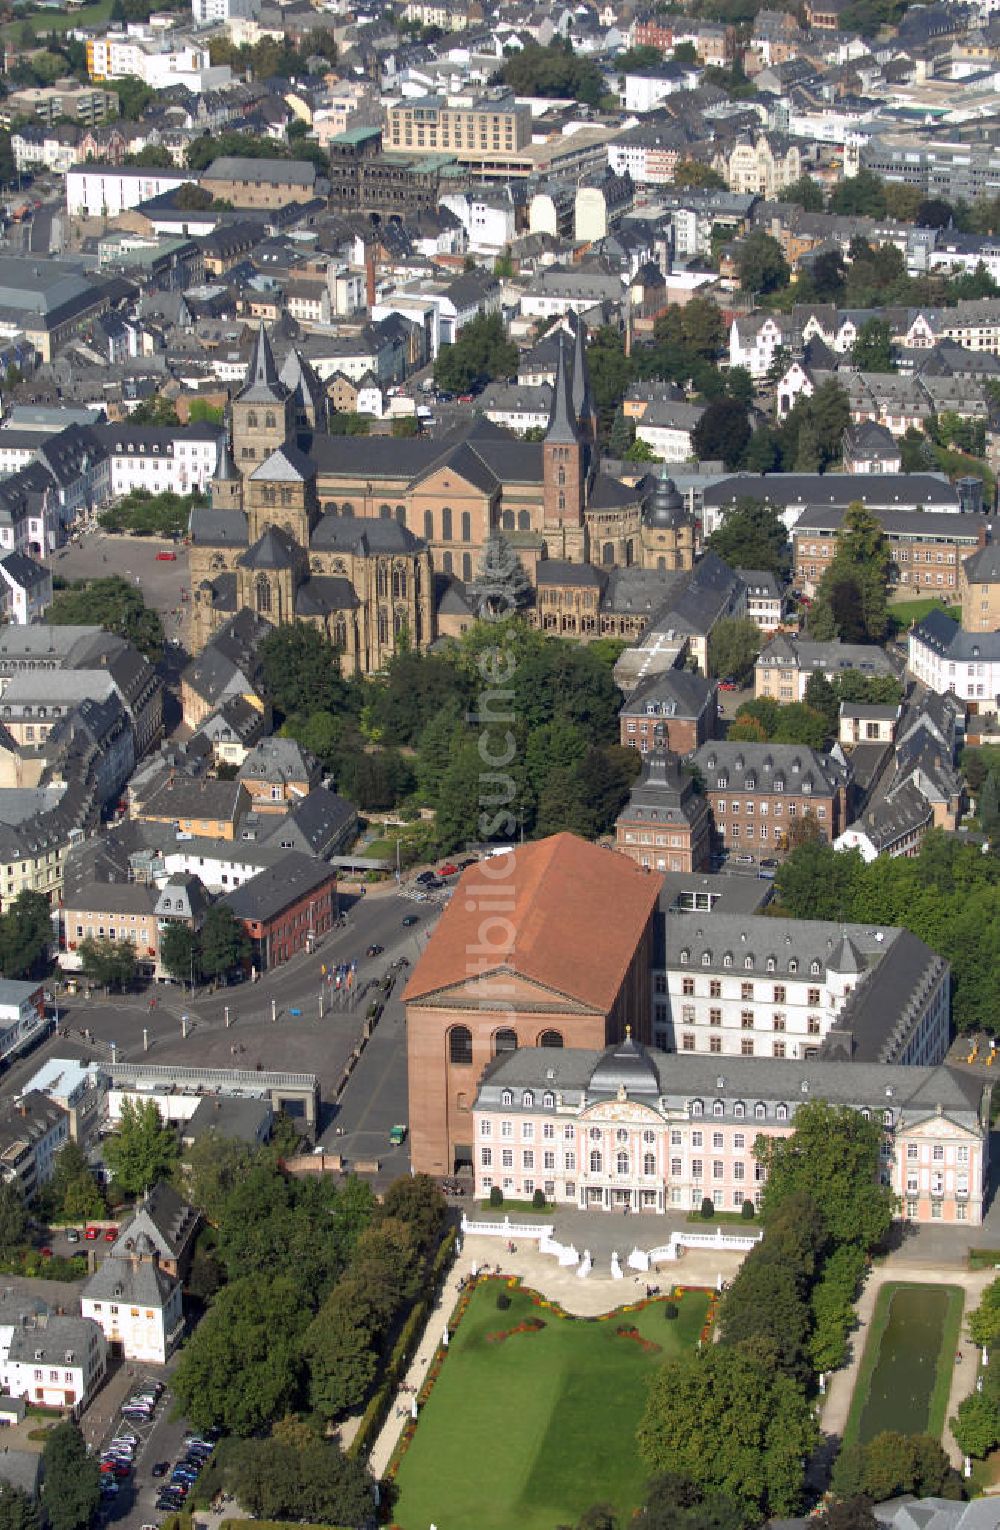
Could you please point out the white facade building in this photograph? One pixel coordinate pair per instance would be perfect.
(750, 986)
(162, 458)
(105, 191)
(944, 657)
(51, 1360)
(22, 1015)
(666, 429)
(136, 1304)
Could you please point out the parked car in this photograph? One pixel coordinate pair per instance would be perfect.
(160, 1468)
(728, 685)
(375, 950)
(92, 1233)
(410, 919)
(166, 557)
(72, 1236)
(424, 876)
(447, 870)
(110, 1234)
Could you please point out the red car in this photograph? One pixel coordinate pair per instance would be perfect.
(92, 1233)
(448, 870)
(111, 1235)
(46, 1253)
(166, 557)
(728, 685)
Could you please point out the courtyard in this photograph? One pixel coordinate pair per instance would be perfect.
(529, 1425)
(907, 1369)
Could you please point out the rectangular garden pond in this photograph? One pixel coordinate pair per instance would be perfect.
(905, 1373)
(528, 1426)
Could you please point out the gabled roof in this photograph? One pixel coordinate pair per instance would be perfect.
(286, 465)
(578, 914)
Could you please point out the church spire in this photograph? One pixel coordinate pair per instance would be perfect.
(563, 428)
(225, 470)
(262, 384)
(583, 406)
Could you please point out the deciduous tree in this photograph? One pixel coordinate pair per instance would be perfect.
(242, 1366)
(72, 1486)
(144, 1148)
(833, 1155)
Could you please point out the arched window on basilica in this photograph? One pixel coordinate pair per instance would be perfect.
(508, 520)
(399, 583)
(263, 594)
(252, 420)
(466, 566)
(382, 580)
(466, 526)
(428, 525)
(340, 632)
(399, 622)
(446, 524)
(270, 420)
(523, 520)
(383, 626)
(608, 554)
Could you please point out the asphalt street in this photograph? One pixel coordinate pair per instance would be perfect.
(375, 1098)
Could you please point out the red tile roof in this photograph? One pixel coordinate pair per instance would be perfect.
(578, 912)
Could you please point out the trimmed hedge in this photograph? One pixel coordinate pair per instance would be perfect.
(377, 1411)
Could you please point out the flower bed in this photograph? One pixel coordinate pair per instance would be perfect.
(530, 1325)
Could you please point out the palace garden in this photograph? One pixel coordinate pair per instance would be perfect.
(533, 1415)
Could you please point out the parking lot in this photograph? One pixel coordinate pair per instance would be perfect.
(158, 1442)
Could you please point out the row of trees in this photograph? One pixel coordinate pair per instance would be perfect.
(309, 1280)
(976, 1426)
(736, 1418)
(947, 896)
(415, 736)
(151, 515)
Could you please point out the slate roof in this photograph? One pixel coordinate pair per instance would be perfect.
(142, 1284)
(275, 548)
(264, 896)
(218, 528)
(165, 1218)
(673, 693)
(797, 770)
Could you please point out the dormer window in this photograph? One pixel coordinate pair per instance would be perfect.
(748, 963)
(697, 1108)
(718, 1108)
(771, 964)
(723, 781)
(760, 1111)
(527, 1099)
(779, 783)
(751, 783)
(781, 1113)
(727, 960)
(793, 965)
(706, 959)
(507, 1098)
(806, 788)
(887, 1118)
(685, 957)
(739, 1110)
(548, 1099)
(814, 968)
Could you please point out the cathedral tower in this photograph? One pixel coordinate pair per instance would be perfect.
(564, 458)
(263, 410)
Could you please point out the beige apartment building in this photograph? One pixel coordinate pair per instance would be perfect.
(479, 131)
(980, 585)
(113, 911)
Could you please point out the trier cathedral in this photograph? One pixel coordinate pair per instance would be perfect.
(365, 536)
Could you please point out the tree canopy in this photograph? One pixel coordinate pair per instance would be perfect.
(144, 1148)
(833, 1156)
(25, 935)
(71, 1491)
(752, 535)
(480, 353)
(554, 70)
(733, 1423)
(116, 605)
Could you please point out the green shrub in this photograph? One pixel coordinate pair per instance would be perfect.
(538, 1200)
(496, 1196)
(503, 1301)
(748, 1211)
(670, 1310)
(708, 1208)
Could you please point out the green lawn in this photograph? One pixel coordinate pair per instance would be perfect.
(530, 1431)
(60, 21)
(905, 1373)
(904, 612)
